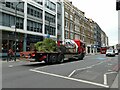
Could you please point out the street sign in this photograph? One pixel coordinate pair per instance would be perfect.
(48, 36)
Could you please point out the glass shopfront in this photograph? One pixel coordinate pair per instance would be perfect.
(8, 41)
(31, 40)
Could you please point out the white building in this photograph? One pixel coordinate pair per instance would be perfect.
(35, 20)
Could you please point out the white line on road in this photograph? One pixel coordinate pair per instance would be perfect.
(84, 68)
(105, 77)
(78, 80)
(77, 70)
(72, 73)
(10, 66)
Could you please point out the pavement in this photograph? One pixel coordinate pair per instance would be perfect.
(115, 83)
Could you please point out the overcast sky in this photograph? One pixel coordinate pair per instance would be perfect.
(104, 13)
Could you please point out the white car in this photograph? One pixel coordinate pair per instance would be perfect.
(116, 51)
(110, 52)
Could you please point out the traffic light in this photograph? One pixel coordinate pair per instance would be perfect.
(118, 5)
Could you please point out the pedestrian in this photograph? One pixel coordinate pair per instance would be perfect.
(10, 55)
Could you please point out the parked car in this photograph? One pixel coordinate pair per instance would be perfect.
(110, 52)
(116, 51)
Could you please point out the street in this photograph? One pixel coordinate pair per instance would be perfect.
(95, 71)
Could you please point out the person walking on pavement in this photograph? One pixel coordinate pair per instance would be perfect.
(10, 54)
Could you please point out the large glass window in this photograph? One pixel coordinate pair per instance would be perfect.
(66, 34)
(34, 26)
(58, 16)
(31, 10)
(12, 5)
(39, 1)
(9, 20)
(50, 5)
(71, 35)
(71, 26)
(49, 17)
(50, 30)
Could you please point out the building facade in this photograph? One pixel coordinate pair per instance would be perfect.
(77, 26)
(35, 21)
(39, 19)
(97, 36)
(104, 39)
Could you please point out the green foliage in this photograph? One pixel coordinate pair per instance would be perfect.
(47, 45)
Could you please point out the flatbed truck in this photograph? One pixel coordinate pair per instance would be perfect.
(70, 49)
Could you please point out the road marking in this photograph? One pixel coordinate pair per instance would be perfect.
(77, 70)
(72, 73)
(10, 66)
(84, 68)
(73, 79)
(105, 77)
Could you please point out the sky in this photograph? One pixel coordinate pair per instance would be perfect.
(104, 13)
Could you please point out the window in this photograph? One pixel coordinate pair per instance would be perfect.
(71, 36)
(34, 26)
(66, 14)
(9, 20)
(71, 17)
(58, 16)
(71, 26)
(28, 10)
(12, 5)
(39, 1)
(8, 4)
(66, 34)
(66, 23)
(50, 30)
(50, 5)
(34, 11)
(49, 17)
(59, 27)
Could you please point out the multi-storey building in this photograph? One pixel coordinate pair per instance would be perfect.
(77, 26)
(35, 20)
(89, 35)
(72, 25)
(97, 36)
(38, 19)
(104, 39)
(107, 41)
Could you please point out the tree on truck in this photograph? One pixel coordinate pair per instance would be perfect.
(51, 52)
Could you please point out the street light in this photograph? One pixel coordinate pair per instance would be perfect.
(48, 36)
(15, 26)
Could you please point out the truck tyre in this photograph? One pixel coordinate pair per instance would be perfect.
(81, 56)
(53, 59)
(60, 58)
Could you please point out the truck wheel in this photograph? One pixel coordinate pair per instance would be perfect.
(53, 59)
(81, 56)
(60, 58)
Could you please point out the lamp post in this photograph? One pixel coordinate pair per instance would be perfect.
(15, 26)
(48, 36)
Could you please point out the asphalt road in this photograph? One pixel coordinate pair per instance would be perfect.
(95, 71)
